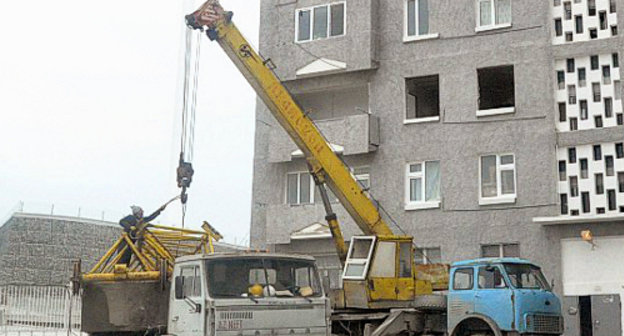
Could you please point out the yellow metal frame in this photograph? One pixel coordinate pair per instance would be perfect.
(154, 247)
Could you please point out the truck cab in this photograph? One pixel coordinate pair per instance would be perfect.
(247, 294)
(501, 296)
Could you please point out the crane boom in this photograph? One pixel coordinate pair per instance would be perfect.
(324, 163)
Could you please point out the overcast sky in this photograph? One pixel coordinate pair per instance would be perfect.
(90, 112)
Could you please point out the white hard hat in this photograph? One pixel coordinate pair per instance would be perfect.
(136, 209)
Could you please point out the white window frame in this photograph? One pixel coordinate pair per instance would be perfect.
(424, 204)
(357, 261)
(493, 26)
(499, 198)
(501, 249)
(312, 186)
(418, 36)
(423, 255)
(311, 9)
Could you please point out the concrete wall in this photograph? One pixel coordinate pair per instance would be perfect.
(40, 250)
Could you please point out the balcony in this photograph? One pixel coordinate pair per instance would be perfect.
(350, 135)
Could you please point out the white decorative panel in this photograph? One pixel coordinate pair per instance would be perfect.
(612, 176)
(588, 92)
(583, 20)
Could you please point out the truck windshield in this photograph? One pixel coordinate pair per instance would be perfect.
(526, 276)
(262, 277)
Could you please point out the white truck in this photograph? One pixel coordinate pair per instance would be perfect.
(247, 294)
(238, 293)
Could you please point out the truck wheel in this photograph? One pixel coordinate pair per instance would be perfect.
(430, 302)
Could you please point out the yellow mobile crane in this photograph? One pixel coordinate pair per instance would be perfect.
(379, 273)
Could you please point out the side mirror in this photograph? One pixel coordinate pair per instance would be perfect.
(179, 288)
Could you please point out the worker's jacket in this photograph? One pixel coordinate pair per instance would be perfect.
(131, 220)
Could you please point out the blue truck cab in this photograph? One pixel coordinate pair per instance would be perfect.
(501, 296)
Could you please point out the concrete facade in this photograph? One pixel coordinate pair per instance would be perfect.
(40, 249)
(378, 58)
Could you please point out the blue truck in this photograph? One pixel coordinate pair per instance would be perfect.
(502, 296)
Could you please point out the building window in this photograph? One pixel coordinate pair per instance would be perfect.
(572, 155)
(617, 90)
(431, 255)
(500, 251)
(321, 22)
(494, 13)
(621, 182)
(615, 58)
(578, 20)
(620, 119)
(606, 75)
(496, 89)
(562, 171)
(597, 153)
(422, 98)
(596, 92)
(608, 107)
(599, 184)
(569, 37)
(570, 65)
(574, 190)
(561, 80)
(573, 124)
(594, 62)
(603, 20)
(619, 150)
(593, 33)
(562, 112)
(417, 18)
(614, 30)
(498, 179)
(598, 121)
(584, 110)
(558, 27)
(564, 204)
(591, 7)
(423, 185)
(582, 77)
(584, 168)
(612, 6)
(572, 94)
(585, 202)
(609, 165)
(567, 9)
(611, 200)
(299, 188)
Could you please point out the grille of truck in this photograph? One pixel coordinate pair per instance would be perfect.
(547, 324)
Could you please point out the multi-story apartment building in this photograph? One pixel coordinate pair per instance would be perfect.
(483, 128)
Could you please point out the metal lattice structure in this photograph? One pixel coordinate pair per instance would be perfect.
(154, 249)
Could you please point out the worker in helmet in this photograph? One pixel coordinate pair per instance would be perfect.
(131, 223)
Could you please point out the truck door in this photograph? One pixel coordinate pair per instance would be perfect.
(493, 297)
(186, 309)
(461, 295)
(383, 273)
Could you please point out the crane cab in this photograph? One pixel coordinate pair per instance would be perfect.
(379, 272)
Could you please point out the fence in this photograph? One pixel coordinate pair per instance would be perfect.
(38, 311)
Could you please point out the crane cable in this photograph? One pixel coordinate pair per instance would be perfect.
(185, 171)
